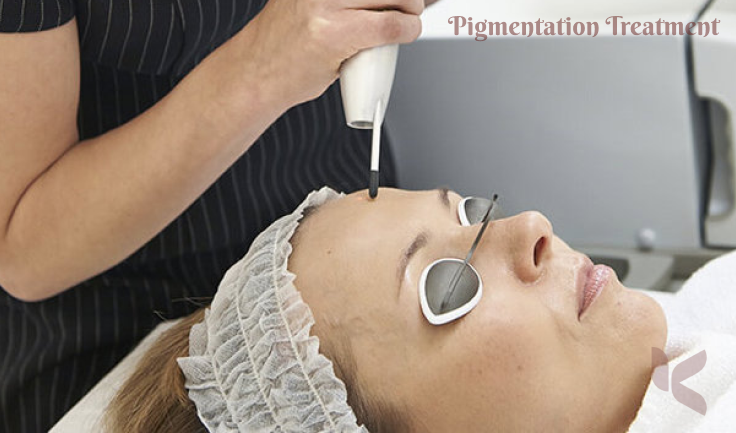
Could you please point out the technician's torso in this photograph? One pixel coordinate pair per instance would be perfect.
(133, 52)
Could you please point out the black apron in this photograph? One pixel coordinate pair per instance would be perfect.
(133, 52)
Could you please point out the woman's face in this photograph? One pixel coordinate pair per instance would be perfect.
(521, 360)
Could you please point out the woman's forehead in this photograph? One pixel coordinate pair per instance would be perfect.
(356, 221)
(391, 203)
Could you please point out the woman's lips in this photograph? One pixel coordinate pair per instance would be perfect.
(595, 279)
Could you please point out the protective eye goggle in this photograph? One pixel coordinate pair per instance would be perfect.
(449, 288)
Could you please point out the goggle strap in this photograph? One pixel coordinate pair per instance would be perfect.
(459, 272)
(453, 285)
(486, 220)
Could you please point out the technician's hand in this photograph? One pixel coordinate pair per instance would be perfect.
(301, 44)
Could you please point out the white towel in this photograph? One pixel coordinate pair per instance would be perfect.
(700, 317)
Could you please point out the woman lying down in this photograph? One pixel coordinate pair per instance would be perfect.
(352, 315)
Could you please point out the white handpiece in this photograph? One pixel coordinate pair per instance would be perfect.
(365, 82)
(365, 79)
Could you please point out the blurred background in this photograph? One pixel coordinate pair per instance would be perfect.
(623, 142)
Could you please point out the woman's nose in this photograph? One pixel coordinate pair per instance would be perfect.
(529, 241)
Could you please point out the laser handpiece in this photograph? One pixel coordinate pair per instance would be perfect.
(365, 83)
(376, 151)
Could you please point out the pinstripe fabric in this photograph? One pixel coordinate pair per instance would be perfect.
(133, 52)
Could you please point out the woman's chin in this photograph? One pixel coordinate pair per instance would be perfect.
(647, 319)
(660, 321)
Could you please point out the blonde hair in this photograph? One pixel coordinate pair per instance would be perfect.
(154, 400)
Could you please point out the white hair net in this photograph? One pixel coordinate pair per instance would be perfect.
(252, 365)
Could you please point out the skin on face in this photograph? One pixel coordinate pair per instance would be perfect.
(521, 360)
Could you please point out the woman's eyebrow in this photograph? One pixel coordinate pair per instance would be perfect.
(419, 241)
(444, 196)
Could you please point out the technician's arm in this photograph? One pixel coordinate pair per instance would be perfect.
(70, 210)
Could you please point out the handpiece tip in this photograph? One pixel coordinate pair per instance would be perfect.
(373, 187)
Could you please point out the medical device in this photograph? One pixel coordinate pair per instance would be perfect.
(626, 143)
(365, 82)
